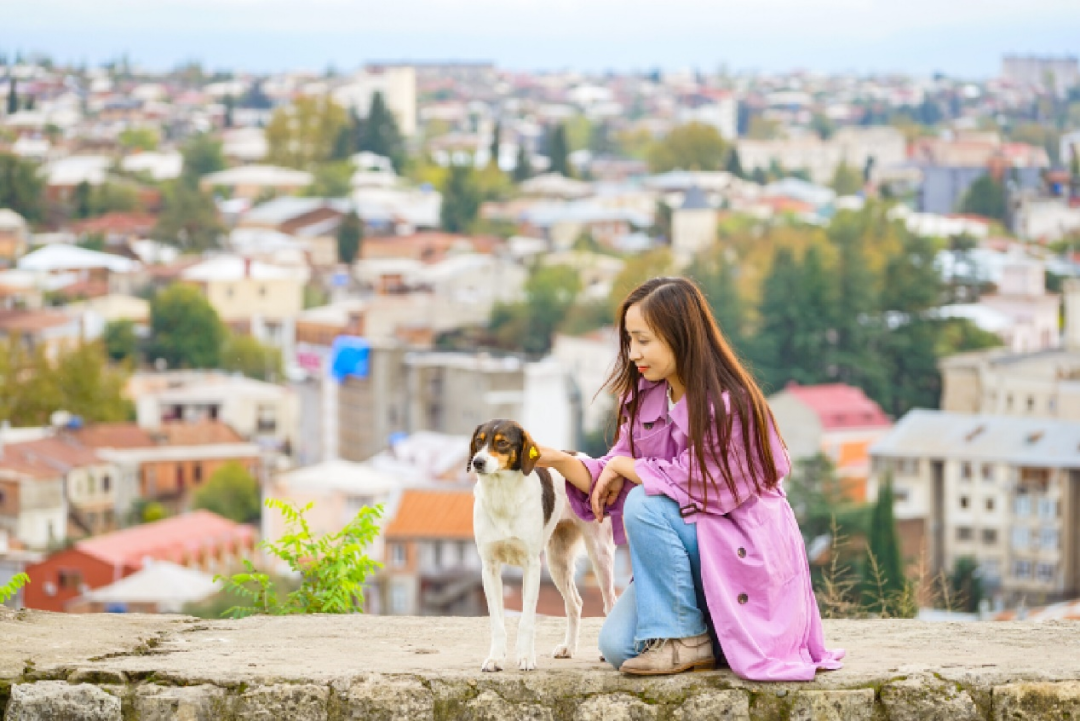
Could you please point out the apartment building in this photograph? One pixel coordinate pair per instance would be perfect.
(1002, 490)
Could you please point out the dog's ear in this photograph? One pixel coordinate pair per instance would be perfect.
(529, 453)
(473, 448)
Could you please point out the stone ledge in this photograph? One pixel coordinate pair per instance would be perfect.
(55, 666)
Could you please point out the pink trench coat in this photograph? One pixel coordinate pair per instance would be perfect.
(753, 561)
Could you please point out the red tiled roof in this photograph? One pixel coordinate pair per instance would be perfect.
(47, 457)
(203, 433)
(433, 514)
(169, 539)
(114, 435)
(841, 406)
(117, 223)
(31, 320)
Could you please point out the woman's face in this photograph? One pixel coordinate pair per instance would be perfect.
(651, 355)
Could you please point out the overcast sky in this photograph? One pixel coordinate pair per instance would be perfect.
(958, 37)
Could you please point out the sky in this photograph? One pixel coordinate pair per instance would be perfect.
(962, 38)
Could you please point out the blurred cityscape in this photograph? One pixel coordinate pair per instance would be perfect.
(221, 287)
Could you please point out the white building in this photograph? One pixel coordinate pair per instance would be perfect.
(398, 88)
(820, 158)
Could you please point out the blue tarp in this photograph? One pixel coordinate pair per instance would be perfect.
(350, 356)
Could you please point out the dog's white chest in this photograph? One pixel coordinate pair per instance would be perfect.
(511, 551)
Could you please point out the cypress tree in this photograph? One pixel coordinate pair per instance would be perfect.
(884, 542)
(734, 165)
(496, 141)
(523, 168)
(13, 97)
(379, 133)
(349, 235)
(559, 151)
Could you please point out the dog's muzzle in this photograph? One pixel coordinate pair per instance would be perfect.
(479, 463)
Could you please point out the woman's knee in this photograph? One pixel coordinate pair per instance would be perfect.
(640, 506)
(615, 644)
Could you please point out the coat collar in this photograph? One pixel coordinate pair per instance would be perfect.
(653, 405)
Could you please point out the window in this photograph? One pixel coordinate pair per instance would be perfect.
(1, 496)
(1022, 569)
(989, 536)
(991, 568)
(106, 483)
(1022, 505)
(399, 599)
(198, 472)
(965, 471)
(1021, 538)
(964, 533)
(69, 579)
(964, 501)
(1045, 572)
(397, 555)
(900, 494)
(1030, 404)
(266, 421)
(988, 472)
(180, 481)
(990, 504)
(1048, 538)
(1047, 508)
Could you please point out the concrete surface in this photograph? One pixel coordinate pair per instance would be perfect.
(331, 667)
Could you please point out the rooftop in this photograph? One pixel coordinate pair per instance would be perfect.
(433, 514)
(840, 406)
(168, 539)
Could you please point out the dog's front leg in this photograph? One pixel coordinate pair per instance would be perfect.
(493, 592)
(530, 593)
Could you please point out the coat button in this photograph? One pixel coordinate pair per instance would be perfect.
(743, 598)
(741, 552)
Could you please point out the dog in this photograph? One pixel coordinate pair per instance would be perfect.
(519, 511)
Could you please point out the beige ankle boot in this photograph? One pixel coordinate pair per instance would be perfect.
(672, 655)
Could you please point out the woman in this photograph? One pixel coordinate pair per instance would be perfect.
(695, 477)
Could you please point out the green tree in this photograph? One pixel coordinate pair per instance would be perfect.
(230, 492)
(349, 235)
(189, 218)
(460, 199)
(81, 204)
(550, 292)
(112, 197)
(380, 134)
(230, 105)
(21, 188)
(138, 139)
(185, 329)
(247, 355)
(846, 180)
(883, 543)
(558, 150)
(966, 583)
(333, 179)
(332, 568)
(716, 278)
(775, 352)
(496, 143)
(734, 164)
(522, 168)
(694, 146)
(87, 387)
(636, 271)
(202, 155)
(13, 96)
(305, 133)
(121, 343)
(985, 197)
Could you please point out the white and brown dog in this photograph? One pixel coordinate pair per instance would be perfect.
(519, 511)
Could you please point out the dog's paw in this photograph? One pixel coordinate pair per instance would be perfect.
(492, 664)
(562, 651)
(527, 663)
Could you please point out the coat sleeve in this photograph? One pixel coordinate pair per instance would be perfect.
(579, 500)
(671, 477)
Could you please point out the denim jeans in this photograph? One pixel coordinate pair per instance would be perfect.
(666, 598)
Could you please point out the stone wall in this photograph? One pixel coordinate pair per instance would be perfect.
(114, 667)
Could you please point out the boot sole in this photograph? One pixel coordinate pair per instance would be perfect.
(695, 666)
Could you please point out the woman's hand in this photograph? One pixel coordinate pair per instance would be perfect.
(549, 457)
(606, 490)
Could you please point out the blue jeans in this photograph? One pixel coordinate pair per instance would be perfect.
(666, 598)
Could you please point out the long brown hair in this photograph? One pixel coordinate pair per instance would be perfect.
(676, 310)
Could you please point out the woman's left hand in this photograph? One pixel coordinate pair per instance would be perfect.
(606, 489)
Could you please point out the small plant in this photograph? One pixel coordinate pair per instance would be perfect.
(332, 568)
(9, 589)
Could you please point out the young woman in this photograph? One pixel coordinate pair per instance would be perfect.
(695, 479)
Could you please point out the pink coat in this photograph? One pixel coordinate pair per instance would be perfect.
(753, 561)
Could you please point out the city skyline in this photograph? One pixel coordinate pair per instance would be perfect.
(861, 36)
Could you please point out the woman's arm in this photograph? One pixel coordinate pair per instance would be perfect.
(568, 466)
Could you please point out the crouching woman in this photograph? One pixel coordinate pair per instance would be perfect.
(696, 479)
